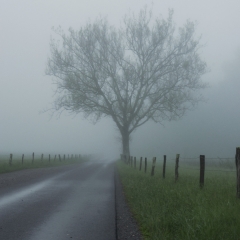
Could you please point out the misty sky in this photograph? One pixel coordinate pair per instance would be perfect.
(25, 91)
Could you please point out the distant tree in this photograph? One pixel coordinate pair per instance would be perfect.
(141, 71)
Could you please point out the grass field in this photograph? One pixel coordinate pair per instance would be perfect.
(37, 163)
(168, 210)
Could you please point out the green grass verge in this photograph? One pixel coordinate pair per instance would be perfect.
(38, 163)
(168, 210)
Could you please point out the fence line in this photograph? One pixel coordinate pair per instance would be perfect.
(202, 167)
(197, 168)
(32, 157)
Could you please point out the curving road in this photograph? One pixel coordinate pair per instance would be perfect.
(71, 202)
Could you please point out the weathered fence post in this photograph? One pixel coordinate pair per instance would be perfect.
(10, 159)
(49, 158)
(140, 166)
(153, 166)
(164, 165)
(64, 157)
(176, 167)
(42, 157)
(55, 157)
(237, 161)
(145, 167)
(32, 157)
(59, 157)
(131, 161)
(22, 158)
(202, 170)
(135, 162)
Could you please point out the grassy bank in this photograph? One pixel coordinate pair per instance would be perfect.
(168, 210)
(37, 163)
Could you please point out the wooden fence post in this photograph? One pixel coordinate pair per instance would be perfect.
(59, 157)
(42, 157)
(176, 167)
(140, 166)
(49, 158)
(55, 157)
(10, 159)
(135, 162)
(32, 157)
(64, 157)
(145, 167)
(22, 158)
(164, 165)
(153, 166)
(237, 161)
(202, 170)
(131, 161)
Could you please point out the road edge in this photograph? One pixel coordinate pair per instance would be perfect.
(126, 225)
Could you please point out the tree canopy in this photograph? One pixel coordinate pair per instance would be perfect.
(144, 70)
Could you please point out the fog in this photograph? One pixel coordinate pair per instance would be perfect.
(26, 92)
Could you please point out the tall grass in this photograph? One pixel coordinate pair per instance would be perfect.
(168, 210)
(37, 163)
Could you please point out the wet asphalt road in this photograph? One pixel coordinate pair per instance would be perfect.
(77, 202)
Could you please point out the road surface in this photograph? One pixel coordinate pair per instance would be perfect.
(71, 202)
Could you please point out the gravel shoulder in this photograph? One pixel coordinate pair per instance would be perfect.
(127, 227)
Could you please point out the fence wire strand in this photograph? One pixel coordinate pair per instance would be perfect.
(220, 159)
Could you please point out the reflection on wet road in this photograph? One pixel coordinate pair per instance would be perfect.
(76, 204)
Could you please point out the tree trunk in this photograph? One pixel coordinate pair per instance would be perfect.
(125, 143)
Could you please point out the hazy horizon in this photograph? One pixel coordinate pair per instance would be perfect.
(26, 92)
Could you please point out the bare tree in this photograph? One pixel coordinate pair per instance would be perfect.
(142, 71)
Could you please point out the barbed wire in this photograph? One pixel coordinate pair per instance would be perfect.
(221, 164)
(191, 158)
